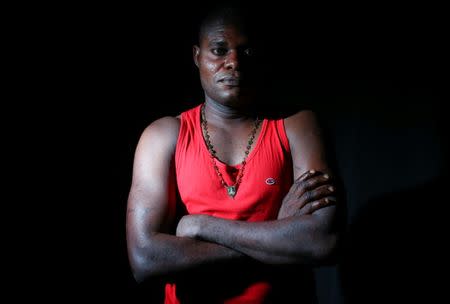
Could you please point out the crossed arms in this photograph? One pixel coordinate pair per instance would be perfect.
(305, 232)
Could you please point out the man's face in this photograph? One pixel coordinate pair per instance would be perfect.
(226, 63)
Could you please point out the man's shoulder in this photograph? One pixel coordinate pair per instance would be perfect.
(165, 123)
(300, 119)
(164, 129)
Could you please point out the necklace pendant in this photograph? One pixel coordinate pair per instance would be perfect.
(231, 190)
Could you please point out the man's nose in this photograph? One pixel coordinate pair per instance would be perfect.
(232, 60)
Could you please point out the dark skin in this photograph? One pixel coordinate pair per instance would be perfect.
(305, 230)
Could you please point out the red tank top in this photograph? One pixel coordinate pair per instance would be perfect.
(267, 178)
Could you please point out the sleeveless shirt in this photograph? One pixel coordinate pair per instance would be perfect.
(267, 178)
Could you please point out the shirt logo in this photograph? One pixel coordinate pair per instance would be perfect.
(270, 181)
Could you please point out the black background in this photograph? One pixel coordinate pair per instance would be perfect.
(99, 75)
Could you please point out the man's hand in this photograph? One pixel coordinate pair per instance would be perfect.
(190, 225)
(311, 191)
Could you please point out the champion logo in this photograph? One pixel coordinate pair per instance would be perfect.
(270, 181)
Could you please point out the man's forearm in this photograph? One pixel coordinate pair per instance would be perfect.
(167, 254)
(290, 240)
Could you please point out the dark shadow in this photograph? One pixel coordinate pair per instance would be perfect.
(394, 247)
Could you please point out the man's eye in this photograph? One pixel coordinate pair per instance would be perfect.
(219, 51)
(249, 52)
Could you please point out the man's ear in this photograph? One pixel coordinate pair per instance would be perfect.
(195, 53)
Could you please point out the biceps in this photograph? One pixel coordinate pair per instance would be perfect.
(149, 212)
(152, 197)
(308, 153)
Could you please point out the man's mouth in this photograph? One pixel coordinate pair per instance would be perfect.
(230, 81)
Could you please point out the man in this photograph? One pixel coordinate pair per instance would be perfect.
(257, 193)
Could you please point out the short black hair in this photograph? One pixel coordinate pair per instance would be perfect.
(228, 14)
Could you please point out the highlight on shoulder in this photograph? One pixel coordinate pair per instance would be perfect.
(163, 130)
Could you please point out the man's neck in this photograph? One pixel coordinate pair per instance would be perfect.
(225, 115)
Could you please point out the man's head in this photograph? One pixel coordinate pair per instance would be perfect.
(226, 58)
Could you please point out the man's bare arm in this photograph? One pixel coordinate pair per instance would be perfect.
(151, 210)
(307, 236)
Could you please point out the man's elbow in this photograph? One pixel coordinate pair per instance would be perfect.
(137, 268)
(142, 268)
(326, 250)
(138, 275)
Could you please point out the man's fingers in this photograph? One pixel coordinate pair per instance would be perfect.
(316, 205)
(305, 175)
(317, 193)
(312, 187)
(301, 184)
(327, 201)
